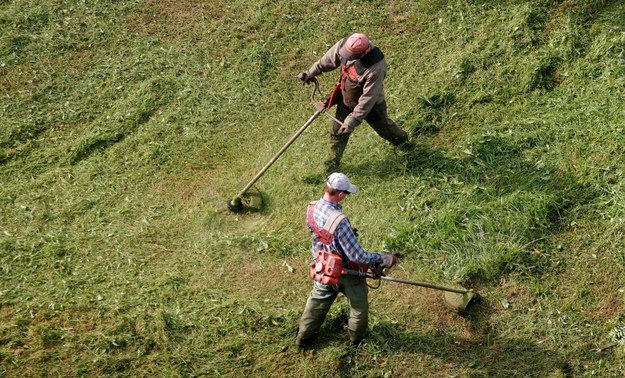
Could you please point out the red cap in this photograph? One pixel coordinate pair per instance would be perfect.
(355, 46)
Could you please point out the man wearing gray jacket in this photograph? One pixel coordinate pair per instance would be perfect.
(361, 97)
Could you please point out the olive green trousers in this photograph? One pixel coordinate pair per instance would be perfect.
(377, 118)
(320, 300)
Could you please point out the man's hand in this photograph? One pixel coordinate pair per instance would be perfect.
(388, 260)
(349, 124)
(345, 130)
(305, 78)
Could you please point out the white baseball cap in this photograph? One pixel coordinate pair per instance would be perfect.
(339, 181)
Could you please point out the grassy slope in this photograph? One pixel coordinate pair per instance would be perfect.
(126, 126)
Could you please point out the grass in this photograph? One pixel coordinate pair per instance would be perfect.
(126, 126)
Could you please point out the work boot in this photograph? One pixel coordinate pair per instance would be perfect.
(355, 338)
(304, 343)
(356, 342)
(303, 340)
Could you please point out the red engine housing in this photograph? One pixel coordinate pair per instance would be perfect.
(327, 268)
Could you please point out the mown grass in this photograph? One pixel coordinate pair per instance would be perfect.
(126, 126)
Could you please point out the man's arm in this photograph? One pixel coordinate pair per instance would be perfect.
(328, 62)
(348, 242)
(370, 95)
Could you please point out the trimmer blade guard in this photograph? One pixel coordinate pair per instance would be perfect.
(461, 302)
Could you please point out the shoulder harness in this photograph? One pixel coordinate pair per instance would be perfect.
(325, 233)
(328, 265)
(363, 63)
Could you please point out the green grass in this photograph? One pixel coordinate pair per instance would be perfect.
(127, 125)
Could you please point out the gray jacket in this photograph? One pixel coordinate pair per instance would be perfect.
(363, 79)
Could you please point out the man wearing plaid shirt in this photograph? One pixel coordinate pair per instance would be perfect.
(345, 242)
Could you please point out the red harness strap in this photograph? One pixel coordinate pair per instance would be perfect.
(334, 96)
(359, 67)
(328, 265)
(324, 235)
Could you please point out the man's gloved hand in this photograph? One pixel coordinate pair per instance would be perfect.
(349, 124)
(305, 78)
(388, 260)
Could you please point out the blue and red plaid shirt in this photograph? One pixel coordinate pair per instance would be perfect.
(345, 241)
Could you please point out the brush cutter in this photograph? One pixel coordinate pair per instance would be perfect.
(235, 204)
(455, 298)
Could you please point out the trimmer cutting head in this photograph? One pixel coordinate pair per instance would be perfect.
(235, 205)
(461, 302)
(250, 201)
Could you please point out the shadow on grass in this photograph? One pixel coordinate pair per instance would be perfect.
(494, 163)
(482, 354)
(496, 180)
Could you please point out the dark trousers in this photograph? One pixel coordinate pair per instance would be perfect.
(377, 118)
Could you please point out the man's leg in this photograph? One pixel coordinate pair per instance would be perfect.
(356, 290)
(338, 142)
(384, 126)
(317, 307)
